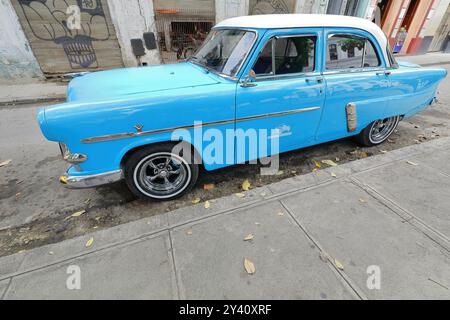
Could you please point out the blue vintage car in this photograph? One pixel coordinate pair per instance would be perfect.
(293, 80)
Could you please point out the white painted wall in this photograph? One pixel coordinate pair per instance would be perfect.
(231, 8)
(131, 18)
(17, 61)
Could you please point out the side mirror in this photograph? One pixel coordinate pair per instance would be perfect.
(249, 80)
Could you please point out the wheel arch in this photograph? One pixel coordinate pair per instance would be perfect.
(197, 156)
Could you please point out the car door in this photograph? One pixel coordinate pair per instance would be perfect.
(356, 76)
(284, 100)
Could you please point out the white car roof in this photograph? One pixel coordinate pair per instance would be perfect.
(276, 21)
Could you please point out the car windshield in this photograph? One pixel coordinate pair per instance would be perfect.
(224, 51)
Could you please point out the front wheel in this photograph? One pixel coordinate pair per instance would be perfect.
(378, 131)
(159, 172)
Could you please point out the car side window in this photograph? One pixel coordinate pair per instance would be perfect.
(287, 55)
(346, 51)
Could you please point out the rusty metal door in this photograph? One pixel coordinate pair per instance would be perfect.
(69, 35)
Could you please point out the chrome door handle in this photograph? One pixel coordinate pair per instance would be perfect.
(316, 79)
(248, 84)
(383, 73)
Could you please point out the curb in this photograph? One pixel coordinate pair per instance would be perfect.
(12, 103)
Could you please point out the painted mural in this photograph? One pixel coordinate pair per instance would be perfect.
(76, 29)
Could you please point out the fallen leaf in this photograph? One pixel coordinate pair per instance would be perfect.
(257, 223)
(5, 163)
(390, 141)
(314, 170)
(196, 200)
(293, 171)
(281, 213)
(333, 175)
(362, 200)
(331, 163)
(279, 172)
(317, 164)
(383, 151)
(50, 253)
(189, 232)
(363, 155)
(249, 266)
(208, 186)
(412, 163)
(323, 256)
(249, 237)
(246, 185)
(207, 205)
(337, 159)
(78, 213)
(89, 242)
(240, 195)
(87, 201)
(338, 264)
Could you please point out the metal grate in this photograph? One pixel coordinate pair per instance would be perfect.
(181, 31)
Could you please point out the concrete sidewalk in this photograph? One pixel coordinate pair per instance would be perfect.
(315, 237)
(39, 92)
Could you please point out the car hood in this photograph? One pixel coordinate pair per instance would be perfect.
(118, 83)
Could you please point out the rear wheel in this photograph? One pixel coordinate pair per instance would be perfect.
(378, 131)
(158, 172)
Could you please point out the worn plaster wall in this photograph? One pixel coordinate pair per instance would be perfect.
(17, 61)
(230, 8)
(131, 18)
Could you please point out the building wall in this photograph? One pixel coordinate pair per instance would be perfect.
(131, 19)
(415, 36)
(16, 57)
(231, 8)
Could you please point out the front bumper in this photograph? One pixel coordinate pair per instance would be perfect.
(89, 181)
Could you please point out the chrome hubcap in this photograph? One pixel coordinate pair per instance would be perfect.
(162, 175)
(382, 129)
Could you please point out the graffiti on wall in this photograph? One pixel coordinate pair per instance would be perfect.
(271, 6)
(72, 24)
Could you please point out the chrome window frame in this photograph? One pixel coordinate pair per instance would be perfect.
(265, 77)
(223, 75)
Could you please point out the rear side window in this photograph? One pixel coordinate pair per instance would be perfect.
(346, 51)
(287, 55)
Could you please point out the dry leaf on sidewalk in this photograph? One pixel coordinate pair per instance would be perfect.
(5, 163)
(207, 205)
(331, 163)
(338, 264)
(281, 213)
(246, 185)
(317, 164)
(333, 175)
(78, 213)
(196, 200)
(412, 163)
(89, 242)
(362, 200)
(249, 266)
(249, 237)
(208, 186)
(189, 232)
(240, 195)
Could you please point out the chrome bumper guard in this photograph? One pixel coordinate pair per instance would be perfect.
(89, 181)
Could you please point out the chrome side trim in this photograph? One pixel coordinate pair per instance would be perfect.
(117, 136)
(343, 71)
(80, 182)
